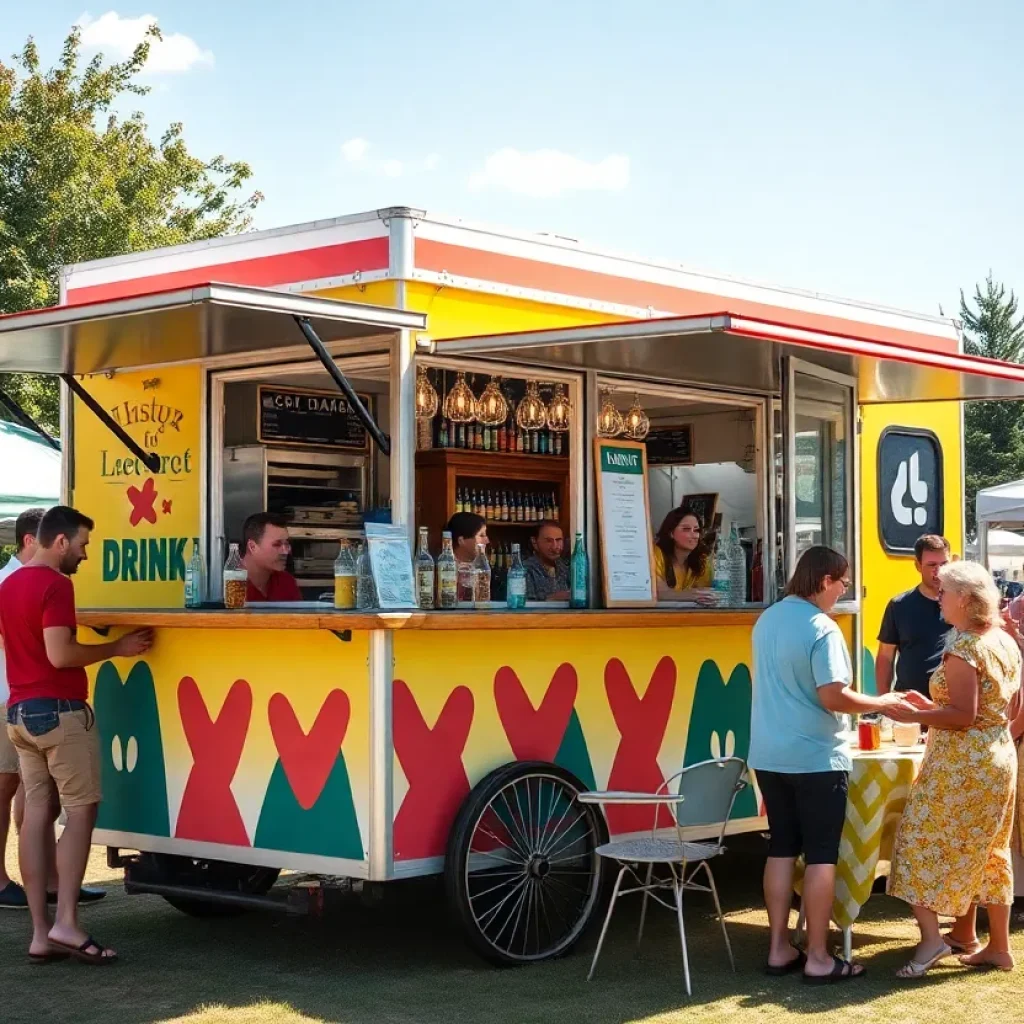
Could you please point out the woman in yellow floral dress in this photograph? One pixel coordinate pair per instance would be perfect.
(953, 845)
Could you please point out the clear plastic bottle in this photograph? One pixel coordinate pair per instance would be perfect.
(481, 578)
(366, 591)
(737, 569)
(579, 574)
(236, 579)
(194, 589)
(424, 572)
(515, 593)
(447, 574)
(345, 578)
(721, 582)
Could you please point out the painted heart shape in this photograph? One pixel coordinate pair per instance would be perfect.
(308, 758)
(535, 733)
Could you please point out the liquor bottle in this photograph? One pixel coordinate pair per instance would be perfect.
(520, 511)
(487, 439)
(481, 578)
(345, 578)
(504, 506)
(478, 437)
(236, 579)
(424, 572)
(502, 438)
(543, 442)
(462, 436)
(520, 440)
(480, 507)
(194, 589)
(489, 507)
(515, 583)
(558, 443)
(447, 574)
(579, 574)
(737, 569)
(366, 590)
(492, 557)
(556, 512)
(442, 439)
(721, 581)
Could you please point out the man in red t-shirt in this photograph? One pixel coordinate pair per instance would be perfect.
(265, 539)
(52, 726)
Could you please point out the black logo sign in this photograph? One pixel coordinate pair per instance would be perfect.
(909, 487)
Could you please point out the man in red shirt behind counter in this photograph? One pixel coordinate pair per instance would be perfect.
(265, 537)
(52, 726)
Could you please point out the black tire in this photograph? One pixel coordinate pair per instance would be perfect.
(546, 877)
(215, 875)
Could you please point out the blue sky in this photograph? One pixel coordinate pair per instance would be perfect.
(869, 149)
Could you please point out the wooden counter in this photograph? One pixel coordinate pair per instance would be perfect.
(276, 618)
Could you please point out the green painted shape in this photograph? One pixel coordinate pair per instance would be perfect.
(720, 707)
(573, 754)
(133, 800)
(869, 684)
(328, 829)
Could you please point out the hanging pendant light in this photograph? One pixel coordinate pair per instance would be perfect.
(532, 413)
(492, 406)
(609, 419)
(426, 396)
(559, 411)
(637, 422)
(460, 403)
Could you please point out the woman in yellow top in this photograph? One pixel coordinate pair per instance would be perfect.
(953, 844)
(682, 564)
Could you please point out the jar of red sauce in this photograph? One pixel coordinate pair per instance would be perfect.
(869, 733)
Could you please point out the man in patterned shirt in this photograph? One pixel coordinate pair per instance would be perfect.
(547, 572)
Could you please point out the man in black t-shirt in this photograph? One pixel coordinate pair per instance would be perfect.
(913, 633)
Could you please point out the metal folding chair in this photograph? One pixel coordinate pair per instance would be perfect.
(705, 795)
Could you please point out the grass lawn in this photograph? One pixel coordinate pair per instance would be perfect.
(403, 963)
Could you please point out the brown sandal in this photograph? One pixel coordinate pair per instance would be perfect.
(80, 954)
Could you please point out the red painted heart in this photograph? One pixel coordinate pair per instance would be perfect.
(535, 733)
(307, 758)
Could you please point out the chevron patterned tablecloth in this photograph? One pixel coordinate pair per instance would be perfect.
(879, 784)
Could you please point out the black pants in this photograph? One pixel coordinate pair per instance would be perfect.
(806, 813)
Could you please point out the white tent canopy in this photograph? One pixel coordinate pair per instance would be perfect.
(999, 506)
(29, 475)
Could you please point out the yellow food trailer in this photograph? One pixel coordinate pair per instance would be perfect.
(293, 370)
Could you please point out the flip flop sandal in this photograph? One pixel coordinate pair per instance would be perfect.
(52, 957)
(842, 970)
(966, 948)
(914, 969)
(80, 954)
(796, 964)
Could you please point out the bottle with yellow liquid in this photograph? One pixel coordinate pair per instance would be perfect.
(345, 577)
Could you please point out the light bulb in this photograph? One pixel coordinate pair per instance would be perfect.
(460, 403)
(426, 396)
(532, 413)
(609, 419)
(559, 411)
(636, 422)
(492, 406)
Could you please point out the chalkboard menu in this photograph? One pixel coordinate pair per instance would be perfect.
(670, 446)
(704, 507)
(296, 416)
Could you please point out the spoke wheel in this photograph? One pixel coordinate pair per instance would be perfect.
(522, 871)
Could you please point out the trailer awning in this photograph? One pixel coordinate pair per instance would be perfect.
(743, 352)
(190, 323)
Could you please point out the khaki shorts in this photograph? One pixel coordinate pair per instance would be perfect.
(8, 755)
(68, 754)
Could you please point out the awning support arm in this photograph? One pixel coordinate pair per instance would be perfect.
(25, 420)
(381, 439)
(149, 459)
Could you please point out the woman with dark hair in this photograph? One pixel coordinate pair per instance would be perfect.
(682, 563)
(467, 530)
(802, 686)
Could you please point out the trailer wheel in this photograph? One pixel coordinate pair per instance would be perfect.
(215, 875)
(522, 873)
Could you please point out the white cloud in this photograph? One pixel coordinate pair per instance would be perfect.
(545, 173)
(354, 151)
(392, 168)
(117, 37)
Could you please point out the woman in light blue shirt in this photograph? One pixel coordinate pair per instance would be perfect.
(802, 686)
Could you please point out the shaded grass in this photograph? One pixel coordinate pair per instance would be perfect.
(403, 962)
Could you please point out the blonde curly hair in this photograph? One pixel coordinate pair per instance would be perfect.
(973, 583)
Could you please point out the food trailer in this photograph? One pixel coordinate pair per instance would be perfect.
(293, 370)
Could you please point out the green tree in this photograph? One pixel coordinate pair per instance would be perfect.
(79, 182)
(993, 431)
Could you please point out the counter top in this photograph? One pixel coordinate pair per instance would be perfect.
(338, 621)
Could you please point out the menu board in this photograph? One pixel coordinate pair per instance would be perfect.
(301, 416)
(624, 520)
(391, 565)
(670, 446)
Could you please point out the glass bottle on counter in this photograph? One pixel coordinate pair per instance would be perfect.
(236, 579)
(721, 580)
(366, 590)
(737, 569)
(515, 583)
(345, 578)
(447, 574)
(579, 574)
(424, 572)
(194, 588)
(481, 578)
